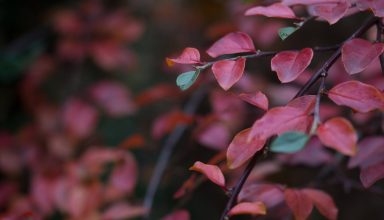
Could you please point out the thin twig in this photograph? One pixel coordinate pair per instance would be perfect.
(168, 147)
(380, 29)
(328, 64)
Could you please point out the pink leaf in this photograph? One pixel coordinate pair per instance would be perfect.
(339, 134)
(331, 12)
(271, 195)
(377, 6)
(188, 56)
(357, 54)
(323, 202)
(309, 2)
(300, 204)
(357, 95)
(177, 215)
(241, 149)
(252, 208)
(236, 42)
(215, 136)
(124, 175)
(228, 72)
(257, 99)
(372, 174)
(369, 151)
(212, 172)
(276, 10)
(123, 211)
(113, 97)
(305, 103)
(290, 64)
(279, 120)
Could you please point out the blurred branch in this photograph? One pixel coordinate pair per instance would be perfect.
(168, 147)
(379, 38)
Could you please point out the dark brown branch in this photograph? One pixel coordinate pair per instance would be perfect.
(328, 64)
(169, 145)
(315, 77)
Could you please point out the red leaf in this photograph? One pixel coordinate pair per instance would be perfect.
(113, 97)
(157, 93)
(369, 151)
(271, 195)
(133, 141)
(215, 135)
(371, 174)
(188, 56)
(339, 134)
(279, 120)
(124, 175)
(178, 215)
(241, 149)
(236, 42)
(79, 118)
(228, 72)
(300, 204)
(331, 12)
(308, 2)
(357, 54)
(323, 202)
(276, 10)
(377, 6)
(257, 99)
(305, 103)
(212, 172)
(290, 64)
(123, 211)
(252, 208)
(357, 95)
(167, 122)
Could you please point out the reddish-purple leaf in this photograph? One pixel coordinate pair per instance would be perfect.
(357, 54)
(377, 6)
(188, 56)
(276, 10)
(257, 99)
(177, 215)
(323, 202)
(300, 204)
(339, 134)
(309, 2)
(251, 208)
(212, 172)
(124, 175)
(305, 103)
(372, 174)
(214, 135)
(369, 151)
(331, 12)
(357, 95)
(167, 122)
(228, 72)
(241, 148)
(236, 42)
(123, 211)
(270, 194)
(279, 120)
(290, 64)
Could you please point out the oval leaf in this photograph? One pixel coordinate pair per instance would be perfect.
(252, 208)
(241, 149)
(186, 80)
(300, 204)
(289, 142)
(357, 54)
(276, 10)
(257, 99)
(331, 12)
(339, 134)
(290, 64)
(357, 95)
(236, 42)
(212, 172)
(285, 32)
(188, 56)
(306, 103)
(323, 202)
(228, 72)
(372, 174)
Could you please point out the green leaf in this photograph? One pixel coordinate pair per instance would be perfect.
(186, 80)
(286, 32)
(289, 142)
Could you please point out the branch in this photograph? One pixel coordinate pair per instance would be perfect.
(315, 77)
(168, 147)
(328, 64)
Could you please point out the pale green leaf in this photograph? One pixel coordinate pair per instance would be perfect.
(186, 80)
(286, 32)
(289, 142)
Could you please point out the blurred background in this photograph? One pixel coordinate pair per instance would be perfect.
(86, 102)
